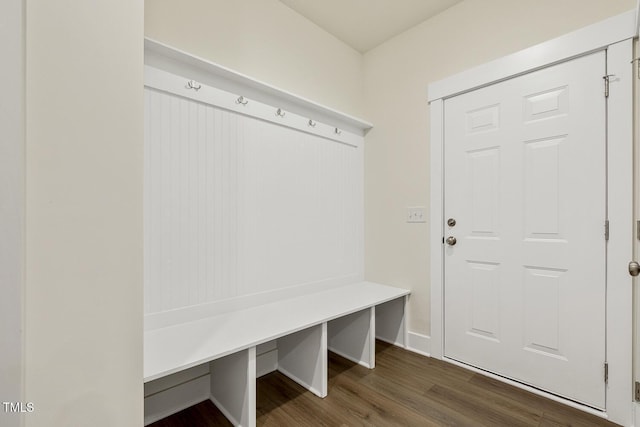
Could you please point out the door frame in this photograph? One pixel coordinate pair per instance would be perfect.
(616, 36)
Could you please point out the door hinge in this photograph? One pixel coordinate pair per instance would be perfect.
(606, 230)
(637, 391)
(606, 372)
(607, 79)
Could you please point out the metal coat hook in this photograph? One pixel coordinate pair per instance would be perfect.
(192, 84)
(280, 113)
(242, 100)
(337, 131)
(312, 123)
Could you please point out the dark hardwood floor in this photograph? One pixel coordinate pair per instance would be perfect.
(405, 389)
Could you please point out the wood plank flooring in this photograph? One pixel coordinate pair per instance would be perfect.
(405, 389)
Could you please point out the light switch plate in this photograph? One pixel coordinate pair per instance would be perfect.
(416, 214)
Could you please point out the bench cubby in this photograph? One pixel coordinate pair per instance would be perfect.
(343, 319)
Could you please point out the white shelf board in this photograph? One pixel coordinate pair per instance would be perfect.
(174, 60)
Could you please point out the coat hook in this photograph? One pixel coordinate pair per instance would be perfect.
(280, 113)
(337, 131)
(192, 84)
(242, 100)
(312, 123)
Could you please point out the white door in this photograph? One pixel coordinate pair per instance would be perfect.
(525, 182)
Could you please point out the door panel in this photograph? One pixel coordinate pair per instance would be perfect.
(525, 180)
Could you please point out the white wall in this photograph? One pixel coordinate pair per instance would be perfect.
(397, 74)
(84, 141)
(12, 168)
(266, 40)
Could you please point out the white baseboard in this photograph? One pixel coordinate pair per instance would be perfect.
(419, 343)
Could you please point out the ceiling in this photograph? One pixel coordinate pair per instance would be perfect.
(364, 24)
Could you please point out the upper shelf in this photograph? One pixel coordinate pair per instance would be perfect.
(170, 59)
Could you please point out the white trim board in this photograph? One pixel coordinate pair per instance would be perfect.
(620, 246)
(160, 80)
(174, 60)
(615, 35)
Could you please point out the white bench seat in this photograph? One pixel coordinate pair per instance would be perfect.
(342, 319)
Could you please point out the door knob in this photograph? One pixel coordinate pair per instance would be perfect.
(634, 268)
(451, 241)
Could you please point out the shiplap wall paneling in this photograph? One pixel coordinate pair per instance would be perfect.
(191, 202)
(301, 208)
(238, 206)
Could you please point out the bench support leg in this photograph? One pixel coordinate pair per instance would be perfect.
(353, 337)
(302, 356)
(391, 323)
(233, 386)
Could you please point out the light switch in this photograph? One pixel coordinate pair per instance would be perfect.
(416, 214)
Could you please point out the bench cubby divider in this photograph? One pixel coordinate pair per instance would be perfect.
(390, 322)
(353, 337)
(302, 356)
(233, 386)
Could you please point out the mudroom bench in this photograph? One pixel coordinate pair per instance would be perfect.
(344, 319)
